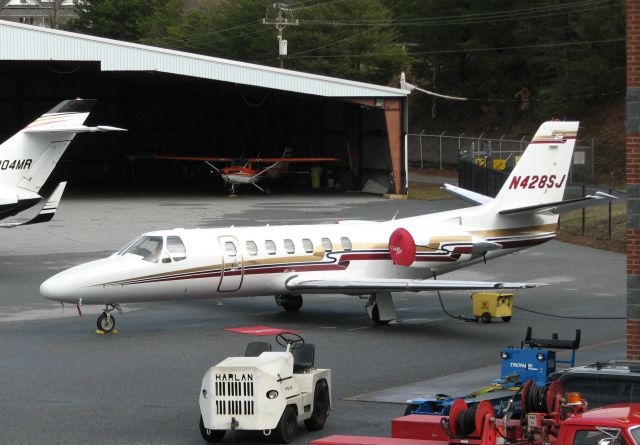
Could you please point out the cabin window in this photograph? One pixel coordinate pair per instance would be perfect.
(346, 244)
(230, 248)
(270, 246)
(326, 244)
(176, 249)
(148, 247)
(289, 247)
(252, 248)
(307, 245)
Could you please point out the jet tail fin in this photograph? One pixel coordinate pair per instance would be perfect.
(540, 176)
(45, 214)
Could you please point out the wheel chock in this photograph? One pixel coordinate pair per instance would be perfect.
(115, 331)
(99, 332)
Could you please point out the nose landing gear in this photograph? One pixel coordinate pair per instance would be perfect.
(106, 322)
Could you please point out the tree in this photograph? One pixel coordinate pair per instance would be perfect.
(127, 20)
(326, 42)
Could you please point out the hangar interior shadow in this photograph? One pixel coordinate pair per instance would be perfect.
(169, 114)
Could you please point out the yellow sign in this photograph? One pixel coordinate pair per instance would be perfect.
(482, 162)
(518, 158)
(499, 164)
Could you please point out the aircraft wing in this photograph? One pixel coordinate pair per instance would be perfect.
(466, 195)
(72, 129)
(562, 206)
(395, 285)
(45, 214)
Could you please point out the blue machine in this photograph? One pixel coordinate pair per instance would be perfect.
(535, 362)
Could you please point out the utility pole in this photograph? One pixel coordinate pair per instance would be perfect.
(280, 21)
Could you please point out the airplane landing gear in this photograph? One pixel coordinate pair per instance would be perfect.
(380, 308)
(106, 322)
(290, 303)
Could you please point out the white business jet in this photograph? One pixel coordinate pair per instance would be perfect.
(28, 158)
(372, 259)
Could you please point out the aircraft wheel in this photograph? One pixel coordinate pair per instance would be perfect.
(210, 435)
(287, 427)
(486, 317)
(375, 316)
(320, 407)
(506, 319)
(106, 324)
(290, 303)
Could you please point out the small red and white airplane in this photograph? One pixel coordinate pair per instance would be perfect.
(350, 257)
(249, 174)
(28, 158)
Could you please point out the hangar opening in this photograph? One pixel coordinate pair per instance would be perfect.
(176, 103)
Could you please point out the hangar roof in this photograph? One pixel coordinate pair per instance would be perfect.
(29, 43)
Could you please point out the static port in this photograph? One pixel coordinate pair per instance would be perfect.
(272, 394)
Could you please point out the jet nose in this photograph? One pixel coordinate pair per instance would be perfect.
(55, 289)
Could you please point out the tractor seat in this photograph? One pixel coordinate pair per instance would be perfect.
(303, 358)
(255, 348)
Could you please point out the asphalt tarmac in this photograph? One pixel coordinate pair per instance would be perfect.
(61, 383)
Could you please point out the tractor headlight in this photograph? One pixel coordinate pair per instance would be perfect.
(204, 393)
(504, 355)
(272, 394)
(540, 356)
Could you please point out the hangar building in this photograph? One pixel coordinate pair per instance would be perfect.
(179, 103)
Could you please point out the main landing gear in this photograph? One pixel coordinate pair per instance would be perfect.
(106, 321)
(380, 308)
(290, 303)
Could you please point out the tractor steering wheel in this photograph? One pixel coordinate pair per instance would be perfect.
(285, 339)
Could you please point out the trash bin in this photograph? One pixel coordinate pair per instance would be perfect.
(316, 174)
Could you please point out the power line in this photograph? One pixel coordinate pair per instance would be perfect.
(453, 51)
(479, 18)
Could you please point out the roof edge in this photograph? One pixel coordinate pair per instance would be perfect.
(398, 91)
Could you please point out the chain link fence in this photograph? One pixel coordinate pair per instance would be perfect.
(442, 150)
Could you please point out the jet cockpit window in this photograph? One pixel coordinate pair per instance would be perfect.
(252, 248)
(270, 246)
(326, 244)
(307, 245)
(176, 249)
(230, 248)
(289, 247)
(148, 247)
(346, 244)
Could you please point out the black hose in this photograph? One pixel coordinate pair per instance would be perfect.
(536, 400)
(467, 421)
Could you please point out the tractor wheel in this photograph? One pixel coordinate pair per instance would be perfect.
(320, 407)
(486, 317)
(287, 427)
(411, 408)
(210, 435)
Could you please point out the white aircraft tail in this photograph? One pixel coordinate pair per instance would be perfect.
(28, 158)
(541, 175)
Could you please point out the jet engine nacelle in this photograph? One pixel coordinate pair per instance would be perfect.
(419, 248)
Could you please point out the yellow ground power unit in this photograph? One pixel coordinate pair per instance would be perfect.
(489, 305)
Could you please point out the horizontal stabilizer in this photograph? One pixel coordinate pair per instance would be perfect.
(562, 206)
(72, 129)
(45, 214)
(466, 195)
(395, 285)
